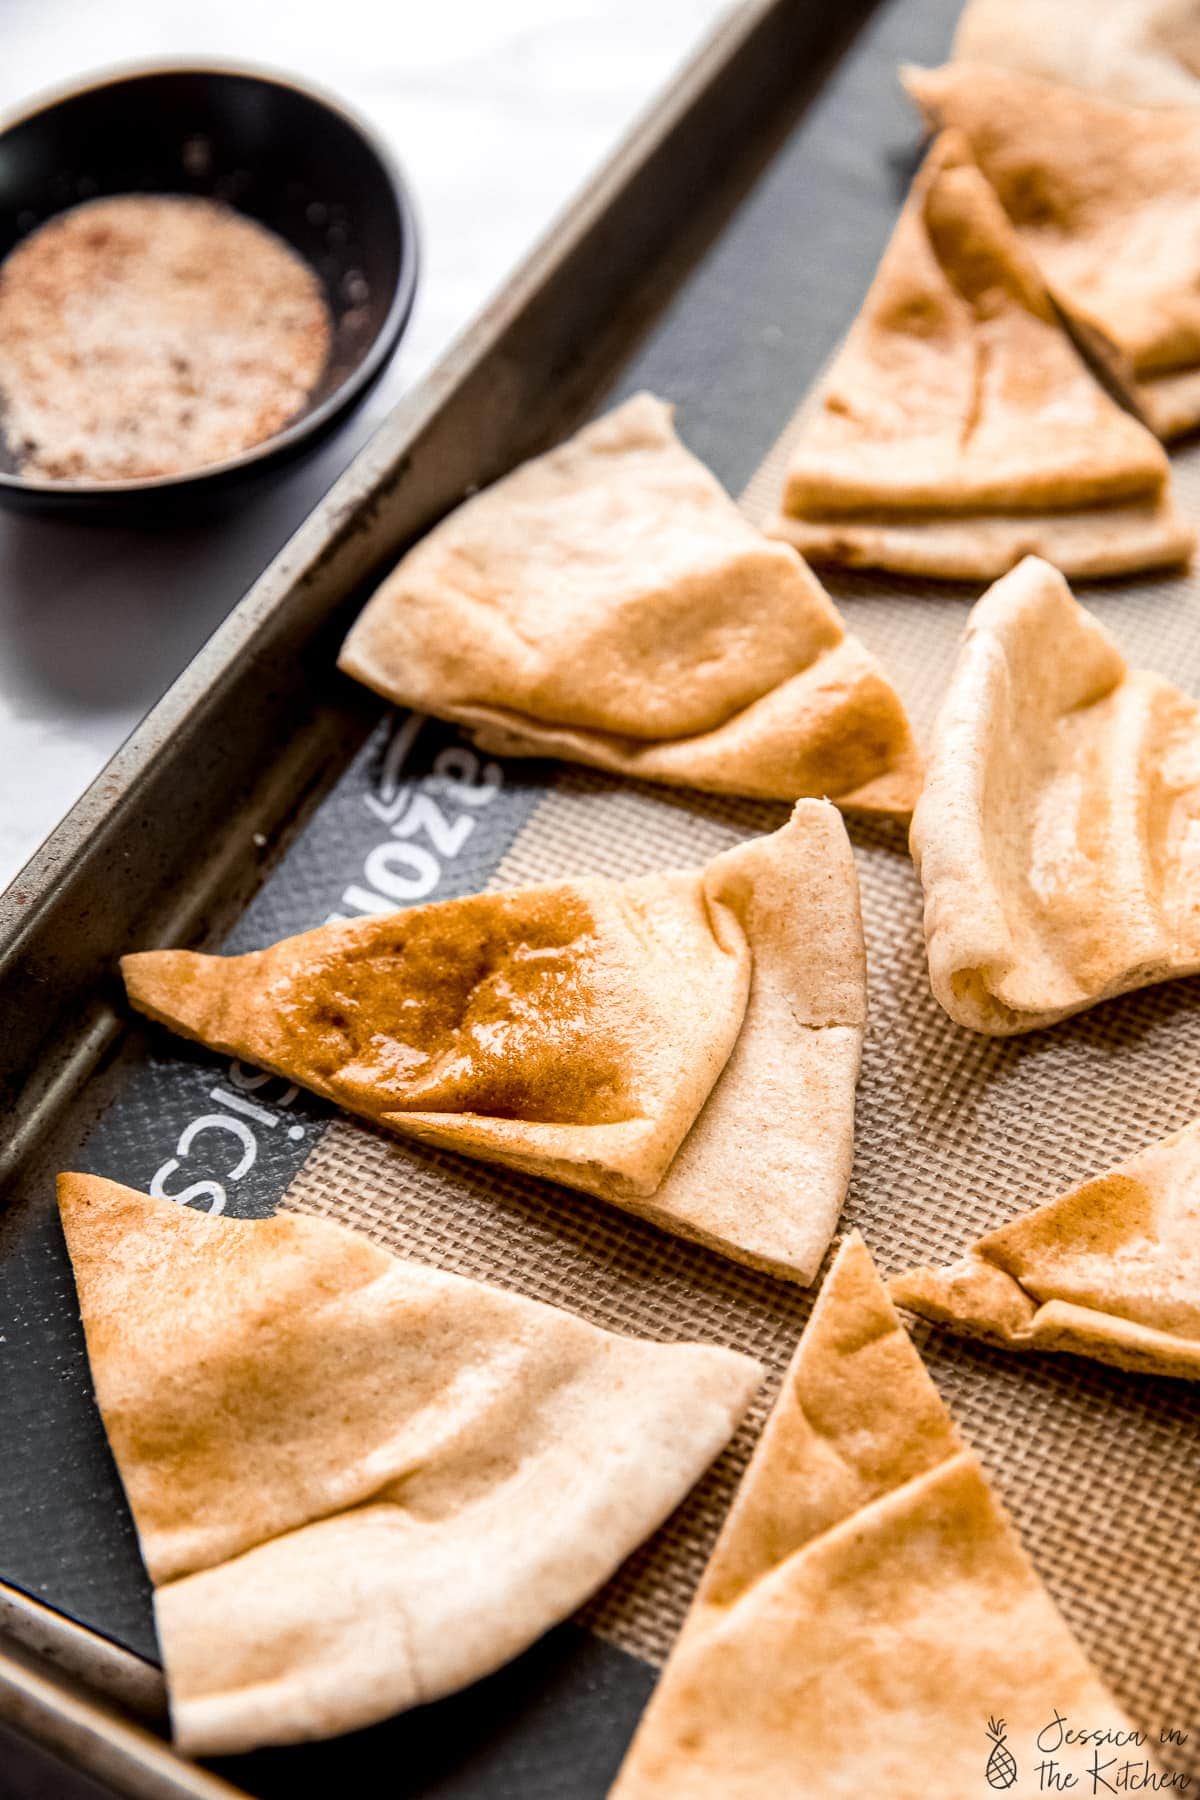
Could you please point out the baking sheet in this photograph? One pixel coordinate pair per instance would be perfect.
(954, 1132)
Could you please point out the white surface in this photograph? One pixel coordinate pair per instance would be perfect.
(498, 109)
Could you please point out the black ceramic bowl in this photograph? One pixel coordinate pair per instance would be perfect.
(273, 149)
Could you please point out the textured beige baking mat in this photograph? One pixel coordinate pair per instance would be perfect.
(954, 1133)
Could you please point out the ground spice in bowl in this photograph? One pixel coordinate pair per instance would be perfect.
(153, 335)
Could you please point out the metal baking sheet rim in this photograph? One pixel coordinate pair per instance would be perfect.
(87, 1701)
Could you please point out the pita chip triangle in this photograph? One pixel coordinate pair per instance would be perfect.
(1055, 836)
(1106, 200)
(1109, 1270)
(868, 1605)
(685, 1044)
(360, 1483)
(958, 428)
(1143, 52)
(607, 603)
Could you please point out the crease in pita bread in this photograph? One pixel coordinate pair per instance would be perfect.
(1106, 199)
(1110, 1269)
(609, 604)
(868, 1604)
(1141, 52)
(360, 1483)
(958, 428)
(1056, 835)
(685, 1044)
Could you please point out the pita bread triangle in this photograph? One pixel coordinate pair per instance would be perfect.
(1106, 199)
(1142, 52)
(607, 603)
(686, 1044)
(868, 1606)
(1109, 1270)
(1053, 834)
(360, 1483)
(958, 428)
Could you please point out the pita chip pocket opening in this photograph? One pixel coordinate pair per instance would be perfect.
(359, 1483)
(1109, 1270)
(684, 1044)
(958, 428)
(1106, 199)
(1055, 838)
(1144, 52)
(608, 604)
(868, 1606)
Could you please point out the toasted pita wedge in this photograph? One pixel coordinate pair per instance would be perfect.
(1055, 834)
(1110, 1270)
(608, 603)
(868, 1605)
(684, 1044)
(1142, 52)
(359, 1483)
(1106, 199)
(958, 428)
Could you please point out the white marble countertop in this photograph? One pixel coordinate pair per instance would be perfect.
(498, 114)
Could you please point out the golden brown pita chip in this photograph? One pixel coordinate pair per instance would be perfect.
(359, 1483)
(1106, 199)
(1110, 1269)
(1056, 835)
(868, 1607)
(1142, 52)
(958, 428)
(685, 1044)
(608, 603)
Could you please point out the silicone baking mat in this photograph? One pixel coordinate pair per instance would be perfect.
(954, 1132)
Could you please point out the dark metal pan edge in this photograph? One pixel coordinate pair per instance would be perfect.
(520, 375)
(176, 820)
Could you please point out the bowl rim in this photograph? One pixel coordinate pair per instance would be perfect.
(310, 424)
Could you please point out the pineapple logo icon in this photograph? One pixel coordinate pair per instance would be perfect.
(1001, 1763)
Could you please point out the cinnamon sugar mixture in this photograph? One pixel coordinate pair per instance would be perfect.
(152, 335)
